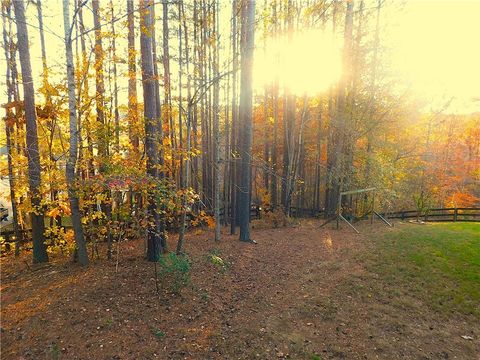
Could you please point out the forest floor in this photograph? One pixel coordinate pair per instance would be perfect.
(300, 293)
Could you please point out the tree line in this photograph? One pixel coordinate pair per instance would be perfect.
(151, 123)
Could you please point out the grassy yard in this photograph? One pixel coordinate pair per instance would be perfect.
(438, 264)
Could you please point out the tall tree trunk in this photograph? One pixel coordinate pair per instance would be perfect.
(84, 94)
(234, 139)
(185, 178)
(132, 96)
(273, 182)
(180, 95)
(9, 124)
(267, 129)
(34, 170)
(167, 84)
(72, 159)
(115, 83)
(227, 148)
(216, 131)
(196, 62)
(248, 30)
(161, 173)
(288, 124)
(42, 41)
(132, 79)
(104, 132)
(100, 87)
(151, 121)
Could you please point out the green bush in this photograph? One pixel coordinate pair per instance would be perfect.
(174, 271)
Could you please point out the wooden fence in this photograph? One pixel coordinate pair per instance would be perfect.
(438, 215)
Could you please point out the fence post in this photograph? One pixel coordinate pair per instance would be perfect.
(455, 214)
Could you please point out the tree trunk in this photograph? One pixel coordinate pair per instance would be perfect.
(167, 84)
(100, 87)
(104, 132)
(180, 96)
(115, 83)
(72, 159)
(247, 47)
(216, 131)
(34, 179)
(161, 173)
(42, 41)
(185, 178)
(273, 182)
(132, 79)
(151, 121)
(84, 94)
(9, 123)
(234, 139)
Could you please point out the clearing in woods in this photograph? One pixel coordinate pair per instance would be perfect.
(301, 293)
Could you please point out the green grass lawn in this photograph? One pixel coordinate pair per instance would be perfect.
(438, 264)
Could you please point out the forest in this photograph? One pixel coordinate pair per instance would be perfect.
(161, 131)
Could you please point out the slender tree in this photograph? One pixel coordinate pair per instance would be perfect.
(216, 130)
(234, 135)
(167, 82)
(132, 78)
(100, 86)
(115, 80)
(34, 169)
(185, 177)
(10, 121)
(245, 118)
(161, 173)
(273, 183)
(72, 158)
(151, 120)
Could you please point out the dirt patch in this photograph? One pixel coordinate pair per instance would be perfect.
(300, 293)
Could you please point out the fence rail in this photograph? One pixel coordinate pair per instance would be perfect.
(469, 214)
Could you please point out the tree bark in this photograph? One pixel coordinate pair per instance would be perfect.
(37, 217)
(9, 123)
(161, 173)
(72, 158)
(100, 87)
(234, 135)
(151, 121)
(115, 83)
(185, 178)
(247, 47)
(132, 79)
(216, 131)
(167, 84)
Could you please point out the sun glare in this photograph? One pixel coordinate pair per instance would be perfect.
(308, 63)
(435, 50)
